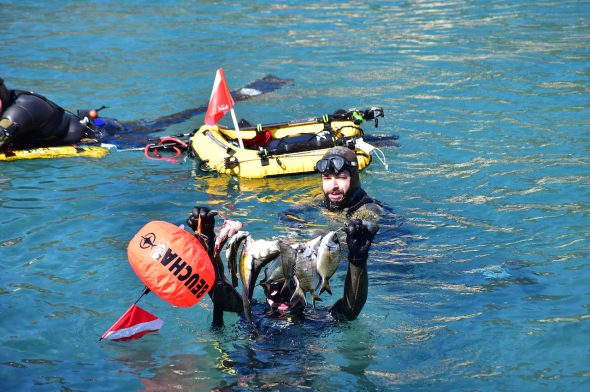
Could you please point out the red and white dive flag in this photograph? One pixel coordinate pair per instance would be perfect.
(133, 324)
(220, 101)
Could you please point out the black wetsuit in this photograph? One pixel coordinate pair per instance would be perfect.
(38, 122)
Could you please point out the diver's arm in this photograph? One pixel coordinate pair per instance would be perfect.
(370, 212)
(223, 295)
(356, 288)
(202, 221)
(356, 284)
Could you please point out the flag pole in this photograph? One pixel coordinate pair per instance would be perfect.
(146, 290)
(233, 116)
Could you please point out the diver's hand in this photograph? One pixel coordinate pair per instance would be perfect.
(359, 236)
(228, 229)
(202, 221)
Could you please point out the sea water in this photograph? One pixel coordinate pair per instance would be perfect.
(485, 289)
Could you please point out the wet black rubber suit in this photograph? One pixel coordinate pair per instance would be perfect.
(30, 120)
(359, 236)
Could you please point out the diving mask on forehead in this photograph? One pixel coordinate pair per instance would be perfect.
(333, 164)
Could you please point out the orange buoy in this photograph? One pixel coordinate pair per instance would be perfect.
(172, 263)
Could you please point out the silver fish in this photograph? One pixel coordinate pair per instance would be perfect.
(288, 260)
(274, 271)
(328, 260)
(231, 254)
(265, 250)
(255, 255)
(306, 271)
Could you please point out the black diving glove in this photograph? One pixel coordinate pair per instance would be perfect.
(207, 219)
(359, 236)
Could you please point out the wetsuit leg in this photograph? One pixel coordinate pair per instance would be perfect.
(76, 131)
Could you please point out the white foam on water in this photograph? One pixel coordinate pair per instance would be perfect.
(250, 91)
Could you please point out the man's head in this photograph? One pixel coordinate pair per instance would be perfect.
(340, 176)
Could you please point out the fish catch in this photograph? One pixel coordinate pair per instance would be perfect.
(304, 267)
(308, 266)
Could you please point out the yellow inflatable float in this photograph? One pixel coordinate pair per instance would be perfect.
(283, 148)
(54, 152)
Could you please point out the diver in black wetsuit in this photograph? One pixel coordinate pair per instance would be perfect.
(30, 120)
(342, 194)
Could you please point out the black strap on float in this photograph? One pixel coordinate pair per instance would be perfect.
(327, 120)
(327, 123)
(204, 166)
(190, 152)
(231, 161)
(263, 154)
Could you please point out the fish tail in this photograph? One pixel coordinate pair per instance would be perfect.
(315, 298)
(247, 310)
(326, 287)
(298, 294)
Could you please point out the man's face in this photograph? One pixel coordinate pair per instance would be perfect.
(336, 186)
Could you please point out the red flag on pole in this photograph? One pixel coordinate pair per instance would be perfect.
(220, 101)
(133, 324)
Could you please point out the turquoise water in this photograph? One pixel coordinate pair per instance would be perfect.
(490, 99)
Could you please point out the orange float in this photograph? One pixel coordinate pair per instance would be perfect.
(172, 263)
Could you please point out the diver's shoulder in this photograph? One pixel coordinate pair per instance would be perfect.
(371, 211)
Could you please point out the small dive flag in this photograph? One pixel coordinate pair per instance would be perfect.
(220, 101)
(133, 324)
